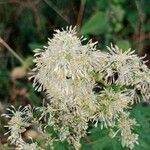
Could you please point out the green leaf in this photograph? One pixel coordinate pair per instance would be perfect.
(142, 116)
(123, 44)
(33, 97)
(26, 25)
(97, 24)
(35, 45)
(99, 140)
(119, 12)
(62, 146)
(28, 62)
(102, 5)
(132, 17)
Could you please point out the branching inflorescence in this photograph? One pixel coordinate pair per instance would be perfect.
(83, 86)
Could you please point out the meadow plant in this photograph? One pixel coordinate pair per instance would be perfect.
(84, 87)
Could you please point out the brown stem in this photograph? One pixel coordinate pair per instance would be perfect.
(11, 50)
(50, 4)
(80, 14)
(141, 14)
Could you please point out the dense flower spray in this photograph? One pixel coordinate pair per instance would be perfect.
(83, 86)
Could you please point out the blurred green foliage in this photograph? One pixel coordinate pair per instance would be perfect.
(26, 25)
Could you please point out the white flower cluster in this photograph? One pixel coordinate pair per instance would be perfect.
(22, 145)
(19, 120)
(84, 85)
(126, 68)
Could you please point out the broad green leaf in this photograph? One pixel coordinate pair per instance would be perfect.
(123, 44)
(142, 115)
(97, 24)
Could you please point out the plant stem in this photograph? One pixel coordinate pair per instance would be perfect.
(80, 14)
(50, 4)
(11, 51)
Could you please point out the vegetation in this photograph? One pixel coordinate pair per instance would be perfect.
(27, 24)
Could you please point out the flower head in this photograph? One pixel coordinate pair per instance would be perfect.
(19, 120)
(64, 59)
(22, 145)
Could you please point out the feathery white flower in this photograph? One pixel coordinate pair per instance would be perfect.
(19, 120)
(110, 105)
(126, 65)
(64, 58)
(22, 145)
(64, 70)
(68, 71)
(125, 125)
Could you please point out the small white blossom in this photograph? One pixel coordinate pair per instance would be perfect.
(125, 125)
(22, 145)
(19, 120)
(126, 65)
(110, 105)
